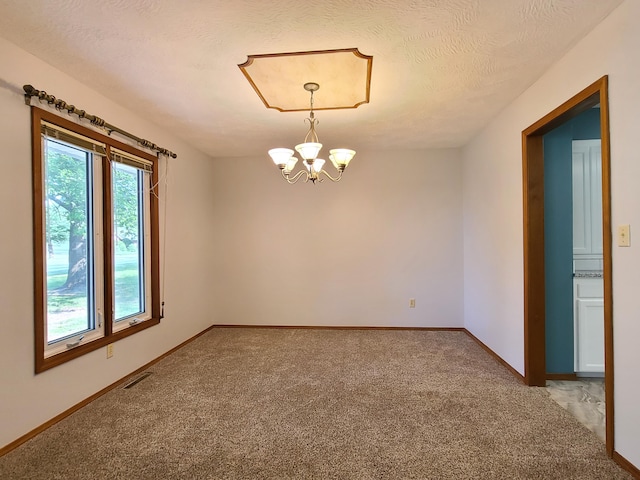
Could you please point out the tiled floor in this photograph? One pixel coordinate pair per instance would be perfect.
(584, 398)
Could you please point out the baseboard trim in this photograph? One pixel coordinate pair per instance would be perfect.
(496, 357)
(339, 327)
(562, 376)
(626, 464)
(28, 436)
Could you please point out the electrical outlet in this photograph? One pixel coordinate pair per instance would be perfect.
(110, 350)
(412, 303)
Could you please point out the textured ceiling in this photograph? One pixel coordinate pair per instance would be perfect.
(442, 68)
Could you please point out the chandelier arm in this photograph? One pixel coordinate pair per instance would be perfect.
(336, 179)
(296, 177)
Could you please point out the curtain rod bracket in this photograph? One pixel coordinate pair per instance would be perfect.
(27, 94)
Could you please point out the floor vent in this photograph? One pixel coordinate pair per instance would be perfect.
(137, 380)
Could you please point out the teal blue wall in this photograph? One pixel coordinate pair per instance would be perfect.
(558, 237)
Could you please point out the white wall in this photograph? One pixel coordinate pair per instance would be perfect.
(493, 208)
(350, 253)
(28, 400)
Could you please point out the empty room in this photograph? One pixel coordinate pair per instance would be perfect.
(364, 239)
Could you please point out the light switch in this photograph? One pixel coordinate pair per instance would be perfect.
(624, 238)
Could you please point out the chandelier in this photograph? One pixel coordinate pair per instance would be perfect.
(309, 150)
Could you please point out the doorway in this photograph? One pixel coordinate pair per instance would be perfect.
(534, 254)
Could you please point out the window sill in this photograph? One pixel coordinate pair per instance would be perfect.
(60, 358)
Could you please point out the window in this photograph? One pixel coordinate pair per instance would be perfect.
(131, 235)
(95, 235)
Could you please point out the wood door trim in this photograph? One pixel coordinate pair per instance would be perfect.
(533, 248)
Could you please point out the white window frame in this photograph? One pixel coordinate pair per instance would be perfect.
(141, 165)
(65, 343)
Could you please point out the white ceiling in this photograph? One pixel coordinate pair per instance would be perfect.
(441, 68)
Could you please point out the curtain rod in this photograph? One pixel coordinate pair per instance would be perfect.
(97, 121)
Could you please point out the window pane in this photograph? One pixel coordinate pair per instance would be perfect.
(68, 238)
(128, 241)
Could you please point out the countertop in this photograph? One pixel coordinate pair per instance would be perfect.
(587, 274)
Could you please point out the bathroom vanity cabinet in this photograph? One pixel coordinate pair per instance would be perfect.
(588, 313)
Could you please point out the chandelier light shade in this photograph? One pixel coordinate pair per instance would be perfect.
(309, 150)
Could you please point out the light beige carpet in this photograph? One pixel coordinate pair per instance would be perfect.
(300, 403)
